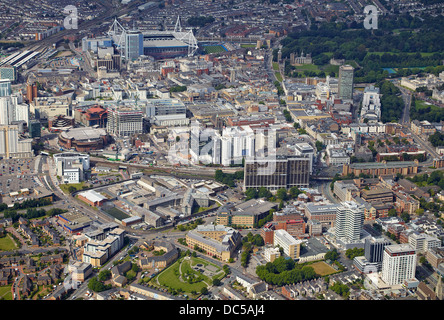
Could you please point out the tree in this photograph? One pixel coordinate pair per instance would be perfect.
(319, 145)
(281, 194)
(354, 252)
(264, 193)
(97, 286)
(258, 240)
(392, 212)
(332, 255)
(251, 194)
(104, 275)
(294, 192)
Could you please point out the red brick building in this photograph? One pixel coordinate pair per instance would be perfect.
(94, 116)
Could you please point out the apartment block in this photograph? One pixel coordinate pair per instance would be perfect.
(291, 246)
(398, 264)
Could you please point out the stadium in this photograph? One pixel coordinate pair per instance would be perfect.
(158, 44)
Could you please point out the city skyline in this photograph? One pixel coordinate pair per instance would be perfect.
(222, 150)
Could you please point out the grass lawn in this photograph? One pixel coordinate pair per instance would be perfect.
(5, 292)
(248, 45)
(322, 268)
(214, 49)
(42, 291)
(423, 54)
(278, 76)
(170, 277)
(65, 187)
(308, 67)
(330, 68)
(275, 66)
(420, 104)
(7, 244)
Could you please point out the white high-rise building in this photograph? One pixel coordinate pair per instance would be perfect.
(349, 221)
(398, 264)
(12, 109)
(12, 145)
(237, 143)
(6, 110)
(5, 87)
(217, 148)
(371, 104)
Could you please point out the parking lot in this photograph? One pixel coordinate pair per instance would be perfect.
(16, 174)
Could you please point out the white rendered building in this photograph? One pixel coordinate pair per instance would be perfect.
(398, 263)
(349, 221)
(291, 246)
(71, 166)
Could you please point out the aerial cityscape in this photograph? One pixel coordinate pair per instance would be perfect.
(223, 150)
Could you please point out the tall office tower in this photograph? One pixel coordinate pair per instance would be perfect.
(305, 149)
(35, 128)
(273, 173)
(133, 45)
(374, 250)
(124, 121)
(349, 221)
(345, 86)
(11, 145)
(398, 263)
(5, 87)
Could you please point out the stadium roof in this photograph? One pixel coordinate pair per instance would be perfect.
(160, 43)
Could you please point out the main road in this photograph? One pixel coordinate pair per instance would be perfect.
(407, 97)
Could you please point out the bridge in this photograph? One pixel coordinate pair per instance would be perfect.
(322, 178)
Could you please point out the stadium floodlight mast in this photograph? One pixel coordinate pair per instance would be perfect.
(186, 36)
(178, 27)
(118, 33)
